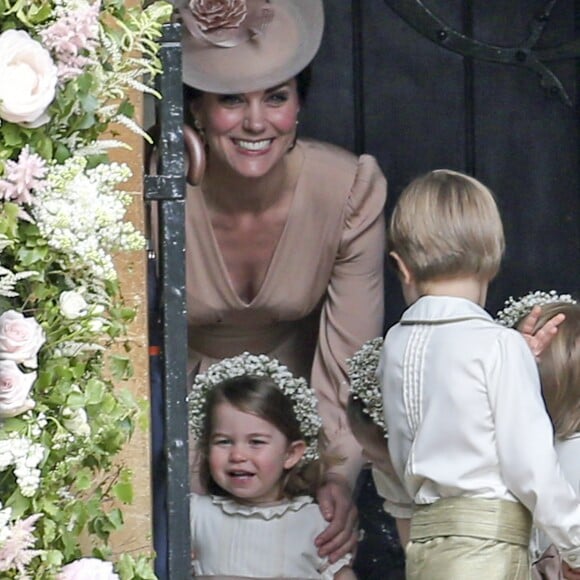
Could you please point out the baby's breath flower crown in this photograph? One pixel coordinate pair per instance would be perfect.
(303, 399)
(515, 310)
(364, 384)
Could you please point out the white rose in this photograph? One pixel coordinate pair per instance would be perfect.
(14, 389)
(72, 304)
(20, 338)
(28, 78)
(76, 422)
(97, 324)
(88, 569)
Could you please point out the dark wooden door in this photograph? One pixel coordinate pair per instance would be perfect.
(411, 82)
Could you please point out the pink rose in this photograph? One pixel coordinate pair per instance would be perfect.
(213, 14)
(20, 338)
(14, 389)
(88, 569)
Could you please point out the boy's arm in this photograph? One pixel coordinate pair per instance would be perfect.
(397, 501)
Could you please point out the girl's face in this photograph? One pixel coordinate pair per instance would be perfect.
(249, 133)
(248, 455)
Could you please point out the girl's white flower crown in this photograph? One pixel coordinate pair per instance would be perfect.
(303, 399)
(364, 384)
(515, 310)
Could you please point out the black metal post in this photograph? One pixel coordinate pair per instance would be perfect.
(168, 189)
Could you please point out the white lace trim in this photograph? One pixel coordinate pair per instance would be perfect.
(267, 512)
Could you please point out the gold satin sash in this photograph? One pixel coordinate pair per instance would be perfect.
(492, 519)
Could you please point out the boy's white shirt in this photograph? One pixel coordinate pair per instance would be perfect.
(396, 499)
(465, 416)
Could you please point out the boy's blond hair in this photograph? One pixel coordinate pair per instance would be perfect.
(560, 369)
(447, 224)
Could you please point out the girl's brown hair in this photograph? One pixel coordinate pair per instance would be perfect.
(560, 369)
(261, 397)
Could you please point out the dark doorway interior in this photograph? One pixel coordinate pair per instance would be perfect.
(404, 81)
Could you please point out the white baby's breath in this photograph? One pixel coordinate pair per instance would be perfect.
(81, 213)
(364, 384)
(25, 456)
(514, 310)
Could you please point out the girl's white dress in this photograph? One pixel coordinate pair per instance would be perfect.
(568, 451)
(277, 541)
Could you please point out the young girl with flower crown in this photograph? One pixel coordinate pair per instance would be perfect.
(259, 434)
(559, 365)
(367, 422)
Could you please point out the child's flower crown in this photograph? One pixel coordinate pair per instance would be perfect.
(303, 399)
(515, 310)
(364, 384)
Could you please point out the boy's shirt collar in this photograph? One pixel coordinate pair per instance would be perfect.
(441, 309)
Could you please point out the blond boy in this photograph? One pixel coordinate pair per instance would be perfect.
(469, 436)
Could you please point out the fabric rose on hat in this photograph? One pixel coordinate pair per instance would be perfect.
(20, 338)
(213, 14)
(14, 390)
(88, 569)
(28, 78)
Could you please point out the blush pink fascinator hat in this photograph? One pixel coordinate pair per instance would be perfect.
(238, 46)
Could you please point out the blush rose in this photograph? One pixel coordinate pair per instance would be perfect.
(20, 338)
(28, 78)
(88, 569)
(14, 390)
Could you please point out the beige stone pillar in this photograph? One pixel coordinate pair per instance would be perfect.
(136, 535)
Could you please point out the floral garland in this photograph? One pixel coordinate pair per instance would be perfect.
(66, 70)
(515, 310)
(364, 384)
(303, 398)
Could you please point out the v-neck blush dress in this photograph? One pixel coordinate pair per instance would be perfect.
(322, 295)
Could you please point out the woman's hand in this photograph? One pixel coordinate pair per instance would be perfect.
(337, 507)
(541, 338)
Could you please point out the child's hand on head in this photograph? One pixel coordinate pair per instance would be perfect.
(541, 338)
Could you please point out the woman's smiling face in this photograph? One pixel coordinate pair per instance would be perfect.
(249, 133)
